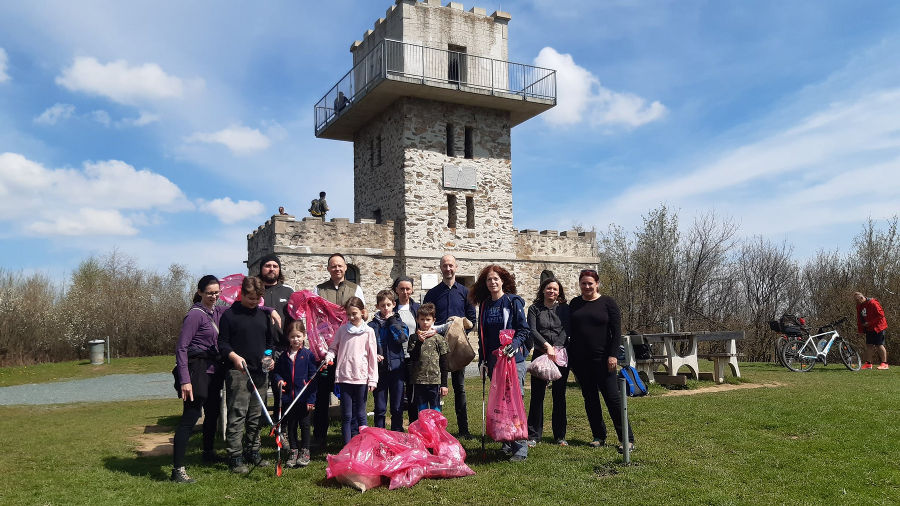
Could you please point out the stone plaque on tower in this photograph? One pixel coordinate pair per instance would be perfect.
(460, 177)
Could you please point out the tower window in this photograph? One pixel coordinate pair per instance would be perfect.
(450, 151)
(451, 211)
(378, 150)
(470, 212)
(468, 147)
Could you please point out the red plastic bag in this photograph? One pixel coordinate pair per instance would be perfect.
(404, 459)
(505, 417)
(544, 368)
(322, 318)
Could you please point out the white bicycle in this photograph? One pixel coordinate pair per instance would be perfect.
(800, 355)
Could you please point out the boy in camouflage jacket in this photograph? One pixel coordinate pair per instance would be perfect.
(428, 357)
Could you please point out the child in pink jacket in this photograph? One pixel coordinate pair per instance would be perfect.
(355, 354)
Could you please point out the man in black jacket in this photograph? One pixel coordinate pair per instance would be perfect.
(245, 333)
(276, 297)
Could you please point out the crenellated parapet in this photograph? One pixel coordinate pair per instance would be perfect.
(566, 246)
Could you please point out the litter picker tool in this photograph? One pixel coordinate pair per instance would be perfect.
(483, 380)
(299, 394)
(265, 412)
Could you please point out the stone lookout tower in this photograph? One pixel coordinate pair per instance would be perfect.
(428, 104)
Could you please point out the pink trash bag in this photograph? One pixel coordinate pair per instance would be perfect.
(562, 357)
(322, 318)
(230, 289)
(505, 415)
(404, 459)
(544, 368)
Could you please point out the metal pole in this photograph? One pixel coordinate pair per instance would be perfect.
(626, 448)
(108, 349)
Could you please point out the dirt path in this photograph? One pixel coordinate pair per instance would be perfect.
(722, 388)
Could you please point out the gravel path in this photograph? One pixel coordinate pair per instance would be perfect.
(114, 387)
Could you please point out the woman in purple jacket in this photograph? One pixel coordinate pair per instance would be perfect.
(200, 373)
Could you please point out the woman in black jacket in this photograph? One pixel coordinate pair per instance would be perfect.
(548, 319)
(596, 333)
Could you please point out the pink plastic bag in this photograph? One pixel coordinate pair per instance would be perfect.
(505, 417)
(323, 318)
(230, 289)
(562, 357)
(404, 459)
(544, 368)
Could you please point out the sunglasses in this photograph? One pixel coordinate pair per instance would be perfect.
(587, 271)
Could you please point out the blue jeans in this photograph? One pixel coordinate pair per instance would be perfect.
(353, 409)
(427, 397)
(390, 384)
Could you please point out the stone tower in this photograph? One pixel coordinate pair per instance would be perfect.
(429, 104)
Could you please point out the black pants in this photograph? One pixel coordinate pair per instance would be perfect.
(536, 407)
(298, 417)
(458, 379)
(596, 379)
(207, 402)
(323, 399)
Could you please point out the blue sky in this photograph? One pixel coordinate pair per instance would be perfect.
(169, 130)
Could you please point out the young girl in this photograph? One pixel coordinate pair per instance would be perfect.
(293, 370)
(355, 354)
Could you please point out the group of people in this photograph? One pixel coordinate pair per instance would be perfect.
(400, 355)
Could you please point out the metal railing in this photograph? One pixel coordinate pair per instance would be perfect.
(436, 67)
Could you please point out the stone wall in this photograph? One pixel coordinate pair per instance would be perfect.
(433, 25)
(425, 151)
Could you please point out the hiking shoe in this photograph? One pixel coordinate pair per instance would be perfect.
(883, 366)
(866, 366)
(597, 443)
(562, 442)
(237, 465)
(517, 458)
(256, 459)
(179, 475)
(532, 443)
(292, 459)
(622, 450)
(303, 460)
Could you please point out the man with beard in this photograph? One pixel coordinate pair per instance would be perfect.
(276, 297)
(451, 298)
(337, 290)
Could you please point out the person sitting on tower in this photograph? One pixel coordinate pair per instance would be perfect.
(318, 207)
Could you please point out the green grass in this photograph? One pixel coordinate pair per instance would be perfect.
(825, 437)
(81, 369)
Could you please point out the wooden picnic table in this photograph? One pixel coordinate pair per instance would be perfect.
(672, 360)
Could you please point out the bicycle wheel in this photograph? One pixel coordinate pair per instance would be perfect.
(798, 355)
(849, 356)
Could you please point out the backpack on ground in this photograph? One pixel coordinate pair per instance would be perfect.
(634, 385)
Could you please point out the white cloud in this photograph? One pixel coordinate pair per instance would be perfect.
(239, 139)
(144, 119)
(90, 201)
(101, 116)
(229, 211)
(3, 62)
(122, 82)
(85, 221)
(55, 114)
(581, 97)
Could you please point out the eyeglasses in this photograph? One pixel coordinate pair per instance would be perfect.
(212, 294)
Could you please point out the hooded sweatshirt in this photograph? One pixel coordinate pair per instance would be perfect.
(355, 355)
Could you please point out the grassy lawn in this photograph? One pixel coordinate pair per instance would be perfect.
(825, 437)
(81, 369)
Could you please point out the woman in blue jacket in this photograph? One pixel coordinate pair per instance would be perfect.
(499, 308)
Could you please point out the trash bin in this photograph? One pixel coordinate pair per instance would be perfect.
(97, 351)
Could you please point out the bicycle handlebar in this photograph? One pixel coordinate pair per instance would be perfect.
(832, 324)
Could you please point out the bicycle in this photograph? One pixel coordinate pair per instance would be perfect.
(800, 355)
(790, 331)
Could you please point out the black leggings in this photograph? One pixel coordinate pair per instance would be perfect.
(298, 417)
(210, 405)
(595, 380)
(536, 406)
